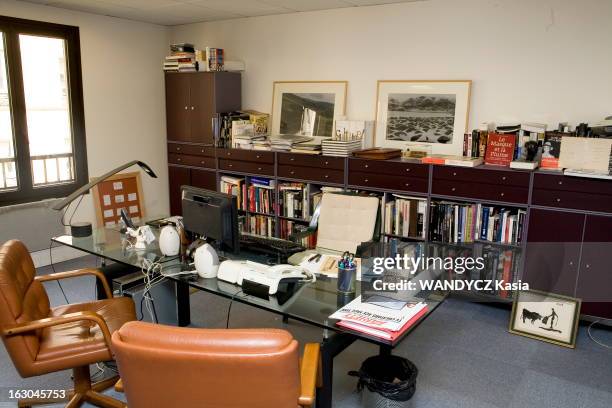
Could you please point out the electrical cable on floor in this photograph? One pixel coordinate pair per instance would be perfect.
(593, 338)
(229, 308)
(53, 268)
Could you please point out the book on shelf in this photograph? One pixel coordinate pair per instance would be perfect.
(236, 187)
(551, 151)
(298, 200)
(524, 164)
(340, 148)
(262, 225)
(289, 227)
(452, 160)
(261, 193)
(377, 320)
(500, 149)
(404, 217)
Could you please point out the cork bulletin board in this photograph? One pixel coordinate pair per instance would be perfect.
(122, 190)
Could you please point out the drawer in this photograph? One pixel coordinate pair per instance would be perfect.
(308, 160)
(388, 182)
(568, 183)
(572, 199)
(497, 177)
(246, 167)
(247, 155)
(188, 160)
(396, 168)
(481, 191)
(191, 149)
(311, 173)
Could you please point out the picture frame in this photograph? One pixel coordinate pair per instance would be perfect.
(307, 108)
(434, 113)
(546, 316)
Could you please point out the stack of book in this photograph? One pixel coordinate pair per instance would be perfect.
(210, 59)
(340, 148)
(311, 147)
(453, 222)
(236, 187)
(298, 200)
(181, 59)
(261, 144)
(289, 227)
(259, 225)
(452, 160)
(286, 142)
(261, 195)
(386, 319)
(405, 217)
(501, 225)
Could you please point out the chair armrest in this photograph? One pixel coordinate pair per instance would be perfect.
(79, 272)
(310, 368)
(119, 386)
(57, 320)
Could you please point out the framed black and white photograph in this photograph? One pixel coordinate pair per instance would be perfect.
(307, 108)
(546, 316)
(432, 113)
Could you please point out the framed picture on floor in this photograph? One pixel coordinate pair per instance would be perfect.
(307, 108)
(546, 316)
(430, 113)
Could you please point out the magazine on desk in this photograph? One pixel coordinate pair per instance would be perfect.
(379, 320)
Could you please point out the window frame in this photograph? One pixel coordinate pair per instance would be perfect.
(26, 192)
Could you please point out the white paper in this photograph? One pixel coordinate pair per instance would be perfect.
(108, 213)
(110, 223)
(118, 185)
(119, 198)
(132, 197)
(133, 209)
(106, 199)
(118, 211)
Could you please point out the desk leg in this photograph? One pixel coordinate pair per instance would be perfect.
(182, 303)
(330, 348)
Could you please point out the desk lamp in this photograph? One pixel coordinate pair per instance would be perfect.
(84, 229)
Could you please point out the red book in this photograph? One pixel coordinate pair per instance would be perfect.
(500, 149)
(383, 333)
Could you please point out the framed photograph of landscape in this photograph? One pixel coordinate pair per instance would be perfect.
(433, 113)
(546, 316)
(307, 108)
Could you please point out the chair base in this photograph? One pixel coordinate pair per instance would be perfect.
(84, 391)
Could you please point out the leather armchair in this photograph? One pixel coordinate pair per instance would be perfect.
(164, 366)
(40, 339)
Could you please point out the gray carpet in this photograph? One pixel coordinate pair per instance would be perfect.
(465, 355)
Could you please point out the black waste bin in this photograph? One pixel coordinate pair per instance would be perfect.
(386, 381)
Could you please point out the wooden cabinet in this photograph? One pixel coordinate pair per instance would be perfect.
(552, 256)
(177, 177)
(192, 99)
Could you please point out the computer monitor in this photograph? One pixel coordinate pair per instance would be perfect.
(212, 215)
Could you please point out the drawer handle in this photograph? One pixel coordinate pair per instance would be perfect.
(501, 194)
(453, 189)
(292, 172)
(292, 159)
(558, 200)
(178, 149)
(192, 108)
(259, 168)
(503, 178)
(454, 173)
(230, 165)
(407, 168)
(407, 184)
(326, 163)
(229, 153)
(178, 159)
(560, 182)
(202, 150)
(588, 266)
(326, 176)
(186, 107)
(258, 156)
(571, 263)
(202, 162)
(366, 166)
(365, 180)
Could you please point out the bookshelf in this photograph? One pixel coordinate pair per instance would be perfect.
(553, 208)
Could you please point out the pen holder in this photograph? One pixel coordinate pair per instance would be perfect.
(347, 278)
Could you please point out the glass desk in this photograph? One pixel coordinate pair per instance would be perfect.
(311, 303)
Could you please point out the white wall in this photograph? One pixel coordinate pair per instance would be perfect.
(529, 60)
(123, 88)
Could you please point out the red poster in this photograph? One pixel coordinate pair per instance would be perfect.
(500, 149)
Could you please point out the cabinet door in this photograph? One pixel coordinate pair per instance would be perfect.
(178, 109)
(177, 177)
(593, 285)
(553, 251)
(204, 179)
(202, 107)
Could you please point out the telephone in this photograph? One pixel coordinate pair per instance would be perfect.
(270, 276)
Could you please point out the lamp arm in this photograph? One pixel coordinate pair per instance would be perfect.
(88, 186)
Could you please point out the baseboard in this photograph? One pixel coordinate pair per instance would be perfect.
(60, 254)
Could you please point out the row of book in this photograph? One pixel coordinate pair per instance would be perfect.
(466, 223)
(289, 227)
(184, 57)
(259, 225)
(261, 193)
(298, 200)
(236, 187)
(405, 217)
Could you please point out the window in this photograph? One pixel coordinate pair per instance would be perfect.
(42, 131)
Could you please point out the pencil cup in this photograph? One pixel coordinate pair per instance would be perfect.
(347, 278)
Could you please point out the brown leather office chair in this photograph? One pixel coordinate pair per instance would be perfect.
(41, 339)
(164, 366)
